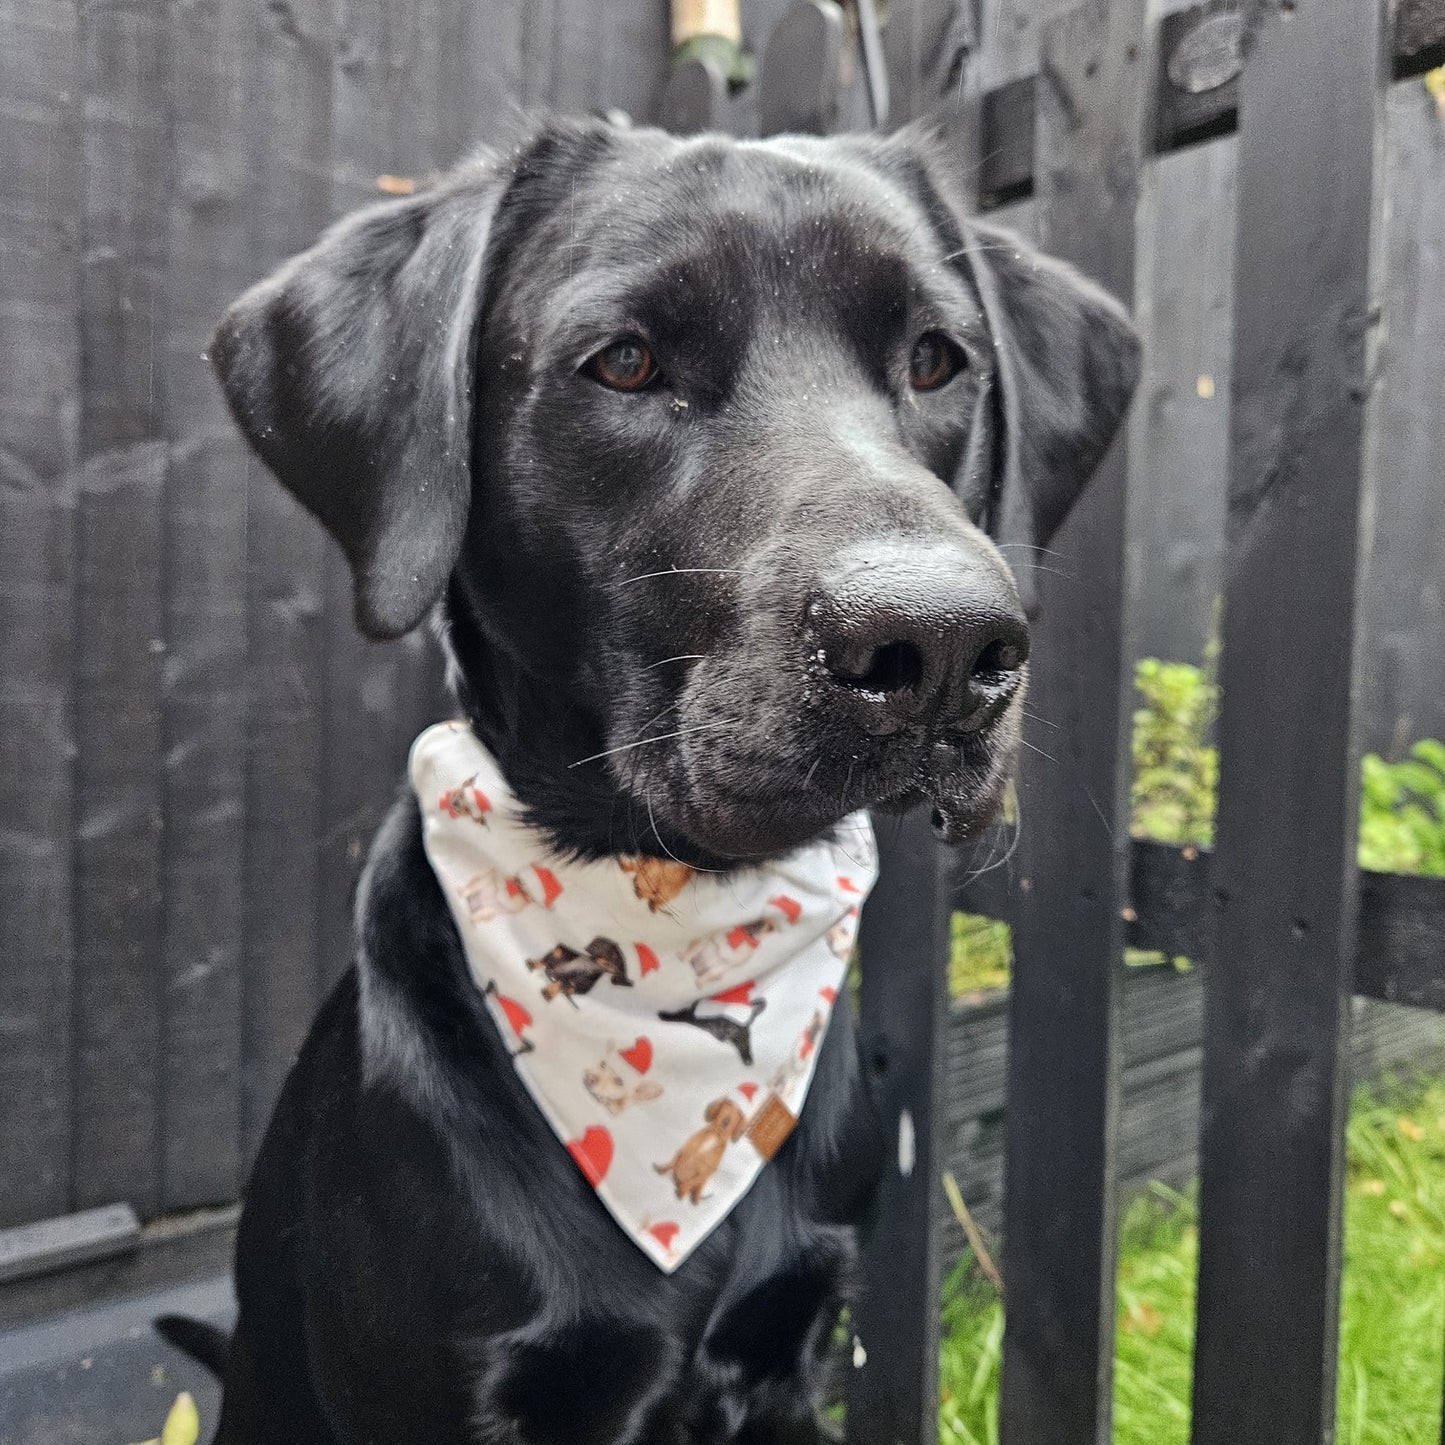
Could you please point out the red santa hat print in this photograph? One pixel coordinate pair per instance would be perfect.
(790, 908)
(536, 883)
(734, 1003)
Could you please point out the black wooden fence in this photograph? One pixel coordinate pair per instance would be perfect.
(195, 746)
(1279, 911)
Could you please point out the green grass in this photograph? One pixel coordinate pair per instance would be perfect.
(1392, 1334)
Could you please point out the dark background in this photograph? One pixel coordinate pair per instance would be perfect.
(195, 745)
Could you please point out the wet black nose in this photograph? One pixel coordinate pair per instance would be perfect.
(919, 632)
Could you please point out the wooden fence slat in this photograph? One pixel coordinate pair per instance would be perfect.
(204, 767)
(39, 379)
(285, 807)
(1285, 877)
(119, 618)
(1073, 853)
(893, 1388)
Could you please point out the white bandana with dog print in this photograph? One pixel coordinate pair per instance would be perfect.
(667, 1022)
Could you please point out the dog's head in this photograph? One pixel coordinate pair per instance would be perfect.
(726, 1119)
(713, 453)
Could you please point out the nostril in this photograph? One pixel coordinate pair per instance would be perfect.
(999, 656)
(893, 667)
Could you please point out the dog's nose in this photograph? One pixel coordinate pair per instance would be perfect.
(919, 632)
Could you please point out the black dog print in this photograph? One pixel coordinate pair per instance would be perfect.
(728, 1023)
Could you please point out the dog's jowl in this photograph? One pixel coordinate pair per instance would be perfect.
(704, 458)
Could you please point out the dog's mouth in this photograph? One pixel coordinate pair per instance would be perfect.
(731, 792)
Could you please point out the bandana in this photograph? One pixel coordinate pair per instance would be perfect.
(667, 1022)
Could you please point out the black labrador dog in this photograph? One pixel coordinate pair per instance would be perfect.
(695, 440)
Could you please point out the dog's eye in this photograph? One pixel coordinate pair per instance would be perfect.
(935, 362)
(626, 365)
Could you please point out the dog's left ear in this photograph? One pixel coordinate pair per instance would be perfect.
(350, 372)
(1066, 362)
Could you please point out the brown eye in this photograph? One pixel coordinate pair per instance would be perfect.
(935, 362)
(626, 365)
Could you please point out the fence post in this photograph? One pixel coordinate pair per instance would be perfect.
(893, 1386)
(1286, 882)
(1073, 854)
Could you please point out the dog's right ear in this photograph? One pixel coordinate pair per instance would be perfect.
(350, 372)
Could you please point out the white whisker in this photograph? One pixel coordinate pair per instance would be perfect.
(653, 821)
(660, 738)
(1039, 751)
(676, 572)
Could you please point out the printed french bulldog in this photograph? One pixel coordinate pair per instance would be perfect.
(617, 1079)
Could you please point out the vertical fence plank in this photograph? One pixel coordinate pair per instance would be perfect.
(1286, 881)
(893, 1389)
(286, 594)
(1068, 937)
(119, 622)
(39, 385)
(204, 766)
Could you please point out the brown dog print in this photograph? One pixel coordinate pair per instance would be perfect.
(466, 800)
(656, 881)
(724, 1122)
(616, 1080)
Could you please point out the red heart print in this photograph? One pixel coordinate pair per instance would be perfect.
(828, 995)
(663, 1233)
(593, 1153)
(639, 1055)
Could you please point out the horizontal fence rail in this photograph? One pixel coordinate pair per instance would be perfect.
(1199, 60)
(1399, 956)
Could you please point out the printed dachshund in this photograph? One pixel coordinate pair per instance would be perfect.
(698, 1158)
(570, 973)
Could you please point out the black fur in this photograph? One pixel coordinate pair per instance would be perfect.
(419, 1259)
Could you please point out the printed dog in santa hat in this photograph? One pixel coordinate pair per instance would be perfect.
(610, 1080)
(489, 894)
(715, 956)
(466, 800)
